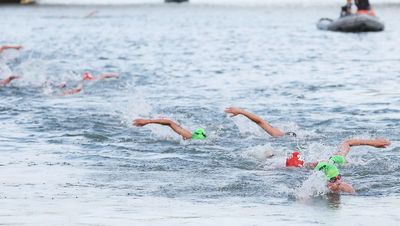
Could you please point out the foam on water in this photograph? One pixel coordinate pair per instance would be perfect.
(78, 160)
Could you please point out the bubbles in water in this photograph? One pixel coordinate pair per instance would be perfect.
(4, 70)
(317, 152)
(10, 55)
(315, 185)
(247, 127)
(135, 107)
(260, 152)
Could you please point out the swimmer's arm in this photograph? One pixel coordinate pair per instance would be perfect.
(166, 122)
(345, 187)
(256, 119)
(8, 80)
(346, 145)
(91, 14)
(9, 47)
(109, 75)
(341, 186)
(73, 91)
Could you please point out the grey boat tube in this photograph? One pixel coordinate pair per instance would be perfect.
(352, 23)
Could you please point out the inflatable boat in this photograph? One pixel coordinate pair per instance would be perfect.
(352, 23)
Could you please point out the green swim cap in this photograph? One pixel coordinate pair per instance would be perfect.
(329, 169)
(337, 159)
(199, 134)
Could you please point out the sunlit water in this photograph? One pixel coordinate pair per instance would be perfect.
(76, 160)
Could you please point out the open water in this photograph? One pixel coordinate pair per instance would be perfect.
(77, 160)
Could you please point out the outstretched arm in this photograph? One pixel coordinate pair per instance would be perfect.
(9, 47)
(73, 91)
(8, 80)
(166, 122)
(108, 75)
(275, 132)
(346, 145)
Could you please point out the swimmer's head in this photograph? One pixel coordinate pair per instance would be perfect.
(321, 166)
(199, 134)
(62, 85)
(329, 169)
(87, 76)
(337, 159)
(294, 160)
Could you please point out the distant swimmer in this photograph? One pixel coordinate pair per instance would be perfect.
(17, 47)
(87, 76)
(7, 80)
(198, 134)
(330, 167)
(91, 14)
(274, 132)
(71, 91)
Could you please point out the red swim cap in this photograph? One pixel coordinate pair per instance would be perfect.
(294, 160)
(87, 76)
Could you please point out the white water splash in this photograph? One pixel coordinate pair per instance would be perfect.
(260, 152)
(314, 186)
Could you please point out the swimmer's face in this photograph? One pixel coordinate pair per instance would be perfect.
(334, 186)
(87, 76)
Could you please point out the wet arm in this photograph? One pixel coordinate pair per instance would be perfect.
(9, 47)
(346, 145)
(341, 187)
(8, 80)
(166, 122)
(73, 91)
(110, 75)
(275, 132)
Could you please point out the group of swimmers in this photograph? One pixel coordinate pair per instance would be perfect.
(328, 166)
(65, 90)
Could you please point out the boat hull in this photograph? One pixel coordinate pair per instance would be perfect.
(352, 23)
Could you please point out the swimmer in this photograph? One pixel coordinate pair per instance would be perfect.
(87, 76)
(198, 134)
(71, 91)
(2, 48)
(7, 80)
(274, 132)
(91, 14)
(329, 167)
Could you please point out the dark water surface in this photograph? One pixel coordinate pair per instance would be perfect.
(76, 160)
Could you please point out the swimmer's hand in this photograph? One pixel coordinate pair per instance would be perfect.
(71, 91)
(8, 80)
(12, 77)
(10, 47)
(380, 143)
(140, 122)
(233, 111)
